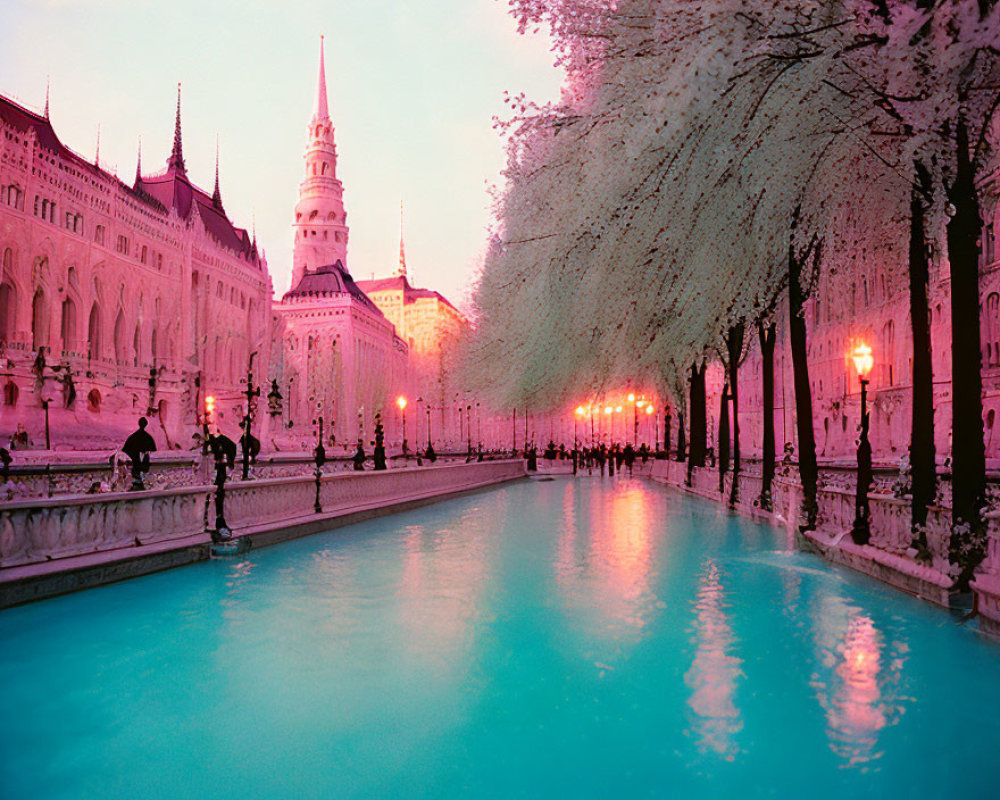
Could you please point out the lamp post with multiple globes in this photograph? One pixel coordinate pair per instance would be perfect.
(861, 532)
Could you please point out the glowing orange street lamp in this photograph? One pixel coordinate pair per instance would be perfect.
(206, 420)
(861, 532)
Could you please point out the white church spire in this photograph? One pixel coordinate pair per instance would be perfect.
(320, 220)
(321, 111)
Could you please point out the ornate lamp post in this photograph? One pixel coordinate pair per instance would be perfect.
(580, 411)
(861, 532)
(251, 393)
(401, 402)
(274, 398)
(635, 418)
(468, 427)
(319, 458)
(656, 433)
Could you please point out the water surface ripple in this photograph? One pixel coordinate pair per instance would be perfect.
(588, 638)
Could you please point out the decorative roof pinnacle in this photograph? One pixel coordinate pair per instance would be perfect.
(322, 109)
(216, 194)
(138, 165)
(176, 160)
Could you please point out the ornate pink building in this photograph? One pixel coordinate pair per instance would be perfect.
(867, 299)
(335, 353)
(118, 300)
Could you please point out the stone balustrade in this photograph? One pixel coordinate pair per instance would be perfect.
(890, 515)
(43, 530)
(36, 478)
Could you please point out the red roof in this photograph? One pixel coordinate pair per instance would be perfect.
(171, 190)
(328, 280)
(400, 283)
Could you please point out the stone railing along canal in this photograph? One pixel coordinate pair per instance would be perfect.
(42, 530)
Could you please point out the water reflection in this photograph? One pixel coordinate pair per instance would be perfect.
(607, 576)
(443, 575)
(859, 690)
(713, 675)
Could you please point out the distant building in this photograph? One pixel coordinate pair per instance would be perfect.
(335, 354)
(433, 329)
(118, 301)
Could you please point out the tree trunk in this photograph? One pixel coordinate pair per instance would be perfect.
(699, 416)
(734, 343)
(723, 437)
(922, 467)
(766, 333)
(666, 434)
(808, 470)
(681, 443)
(968, 451)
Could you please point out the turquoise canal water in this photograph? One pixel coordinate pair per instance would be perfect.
(589, 638)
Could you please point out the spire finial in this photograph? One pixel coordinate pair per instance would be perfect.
(322, 111)
(217, 195)
(176, 160)
(97, 150)
(138, 165)
(47, 96)
(401, 272)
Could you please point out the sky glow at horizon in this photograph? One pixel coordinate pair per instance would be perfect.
(412, 90)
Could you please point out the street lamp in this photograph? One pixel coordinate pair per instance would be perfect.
(649, 411)
(861, 532)
(401, 402)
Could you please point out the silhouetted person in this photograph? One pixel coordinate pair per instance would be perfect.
(629, 456)
(359, 458)
(254, 446)
(137, 447)
(532, 460)
(430, 455)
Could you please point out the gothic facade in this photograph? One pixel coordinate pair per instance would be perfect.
(118, 300)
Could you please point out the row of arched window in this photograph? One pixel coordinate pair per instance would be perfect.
(69, 332)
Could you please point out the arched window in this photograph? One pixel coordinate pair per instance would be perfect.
(143, 254)
(10, 394)
(39, 321)
(94, 332)
(67, 327)
(94, 401)
(8, 262)
(8, 308)
(120, 348)
(991, 331)
(137, 346)
(889, 352)
(152, 344)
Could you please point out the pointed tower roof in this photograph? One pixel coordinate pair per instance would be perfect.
(97, 150)
(138, 166)
(216, 194)
(401, 272)
(46, 97)
(321, 111)
(176, 160)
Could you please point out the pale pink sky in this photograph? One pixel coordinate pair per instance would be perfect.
(413, 86)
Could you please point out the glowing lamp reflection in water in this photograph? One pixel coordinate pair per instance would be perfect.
(715, 718)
